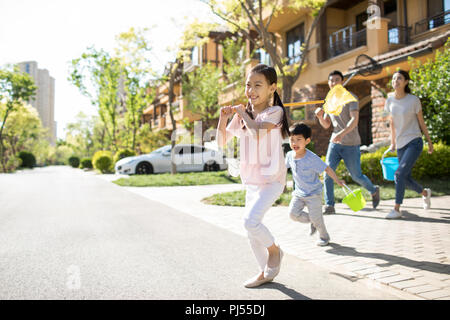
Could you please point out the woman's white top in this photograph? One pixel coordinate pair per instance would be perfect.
(404, 114)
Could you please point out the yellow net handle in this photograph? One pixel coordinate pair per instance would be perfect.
(296, 104)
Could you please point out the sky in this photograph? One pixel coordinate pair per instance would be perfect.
(53, 32)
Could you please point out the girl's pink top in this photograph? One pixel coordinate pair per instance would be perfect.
(261, 159)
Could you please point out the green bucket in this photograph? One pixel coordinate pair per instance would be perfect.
(354, 199)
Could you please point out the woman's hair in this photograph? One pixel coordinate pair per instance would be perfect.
(406, 76)
(271, 76)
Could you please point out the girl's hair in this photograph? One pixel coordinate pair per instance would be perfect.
(406, 76)
(271, 76)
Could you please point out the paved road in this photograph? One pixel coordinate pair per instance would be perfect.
(65, 234)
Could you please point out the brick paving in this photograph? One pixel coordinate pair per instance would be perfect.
(409, 256)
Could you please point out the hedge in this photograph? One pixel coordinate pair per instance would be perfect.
(74, 161)
(103, 161)
(28, 159)
(123, 154)
(86, 163)
(428, 166)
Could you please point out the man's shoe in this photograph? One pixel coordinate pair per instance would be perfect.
(427, 199)
(313, 230)
(329, 210)
(323, 242)
(271, 273)
(394, 214)
(376, 198)
(254, 282)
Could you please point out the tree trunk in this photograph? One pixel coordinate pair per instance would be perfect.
(173, 71)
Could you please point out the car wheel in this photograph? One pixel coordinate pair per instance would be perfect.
(213, 166)
(144, 168)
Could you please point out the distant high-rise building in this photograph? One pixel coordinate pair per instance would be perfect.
(44, 100)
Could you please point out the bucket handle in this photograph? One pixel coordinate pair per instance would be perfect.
(348, 190)
(385, 153)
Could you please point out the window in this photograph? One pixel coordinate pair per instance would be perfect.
(436, 11)
(263, 56)
(194, 56)
(295, 39)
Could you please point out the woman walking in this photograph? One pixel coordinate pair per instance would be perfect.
(407, 126)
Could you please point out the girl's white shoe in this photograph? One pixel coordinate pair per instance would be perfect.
(427, 199)
(271, 273)
(254, 282)
(394, 214)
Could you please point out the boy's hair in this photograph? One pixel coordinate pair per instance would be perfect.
(300, 129)
(336, 73)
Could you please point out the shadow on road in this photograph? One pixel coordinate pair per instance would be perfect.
(406, 216)
(390, 259)
(287, 291)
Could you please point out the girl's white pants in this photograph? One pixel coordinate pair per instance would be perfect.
(258, 200)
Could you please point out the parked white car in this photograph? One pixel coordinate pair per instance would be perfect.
(187, 157)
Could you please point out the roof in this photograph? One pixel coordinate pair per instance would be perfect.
(405, 52)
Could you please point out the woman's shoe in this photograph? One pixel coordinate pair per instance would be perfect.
(394, 214)
(254, 282)
(271, 273)
(427, 199)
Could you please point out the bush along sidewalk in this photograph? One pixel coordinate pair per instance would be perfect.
(430, 170)
(427, 167)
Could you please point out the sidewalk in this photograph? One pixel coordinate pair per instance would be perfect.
(408, 257)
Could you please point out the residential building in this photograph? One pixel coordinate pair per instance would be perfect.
(44, 100)
(157, 114)
(389, 31)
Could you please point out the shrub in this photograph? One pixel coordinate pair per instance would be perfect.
(123, 154)
(74, 161)
(430, 83)
(86, 163)
(428, 166)
(102, 161)
(28, 159)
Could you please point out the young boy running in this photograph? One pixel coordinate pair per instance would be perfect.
(306, 167)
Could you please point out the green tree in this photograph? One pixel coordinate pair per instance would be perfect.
(15, 88)
(97, 75)
(201, 88)
(430, 83)
(243, 15)
(134, 52)
(79, 135)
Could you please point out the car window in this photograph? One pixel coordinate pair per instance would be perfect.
(162, 149)
(178, 150)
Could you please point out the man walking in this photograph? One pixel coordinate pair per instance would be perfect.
(344, 144)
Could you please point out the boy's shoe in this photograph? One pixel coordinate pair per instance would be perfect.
(313, 230)
(323, 242)
(329, 210)
(376, 198)
(394, 214)
(427, 199)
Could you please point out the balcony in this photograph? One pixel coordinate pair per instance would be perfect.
(432, 22)
(344, 40)
(398, 35)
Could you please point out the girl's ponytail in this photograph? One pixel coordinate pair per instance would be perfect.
(285, 123)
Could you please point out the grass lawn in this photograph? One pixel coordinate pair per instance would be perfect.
(237, 198)
(178, 179)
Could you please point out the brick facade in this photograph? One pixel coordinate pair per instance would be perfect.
(380, 124)
(363, 90)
